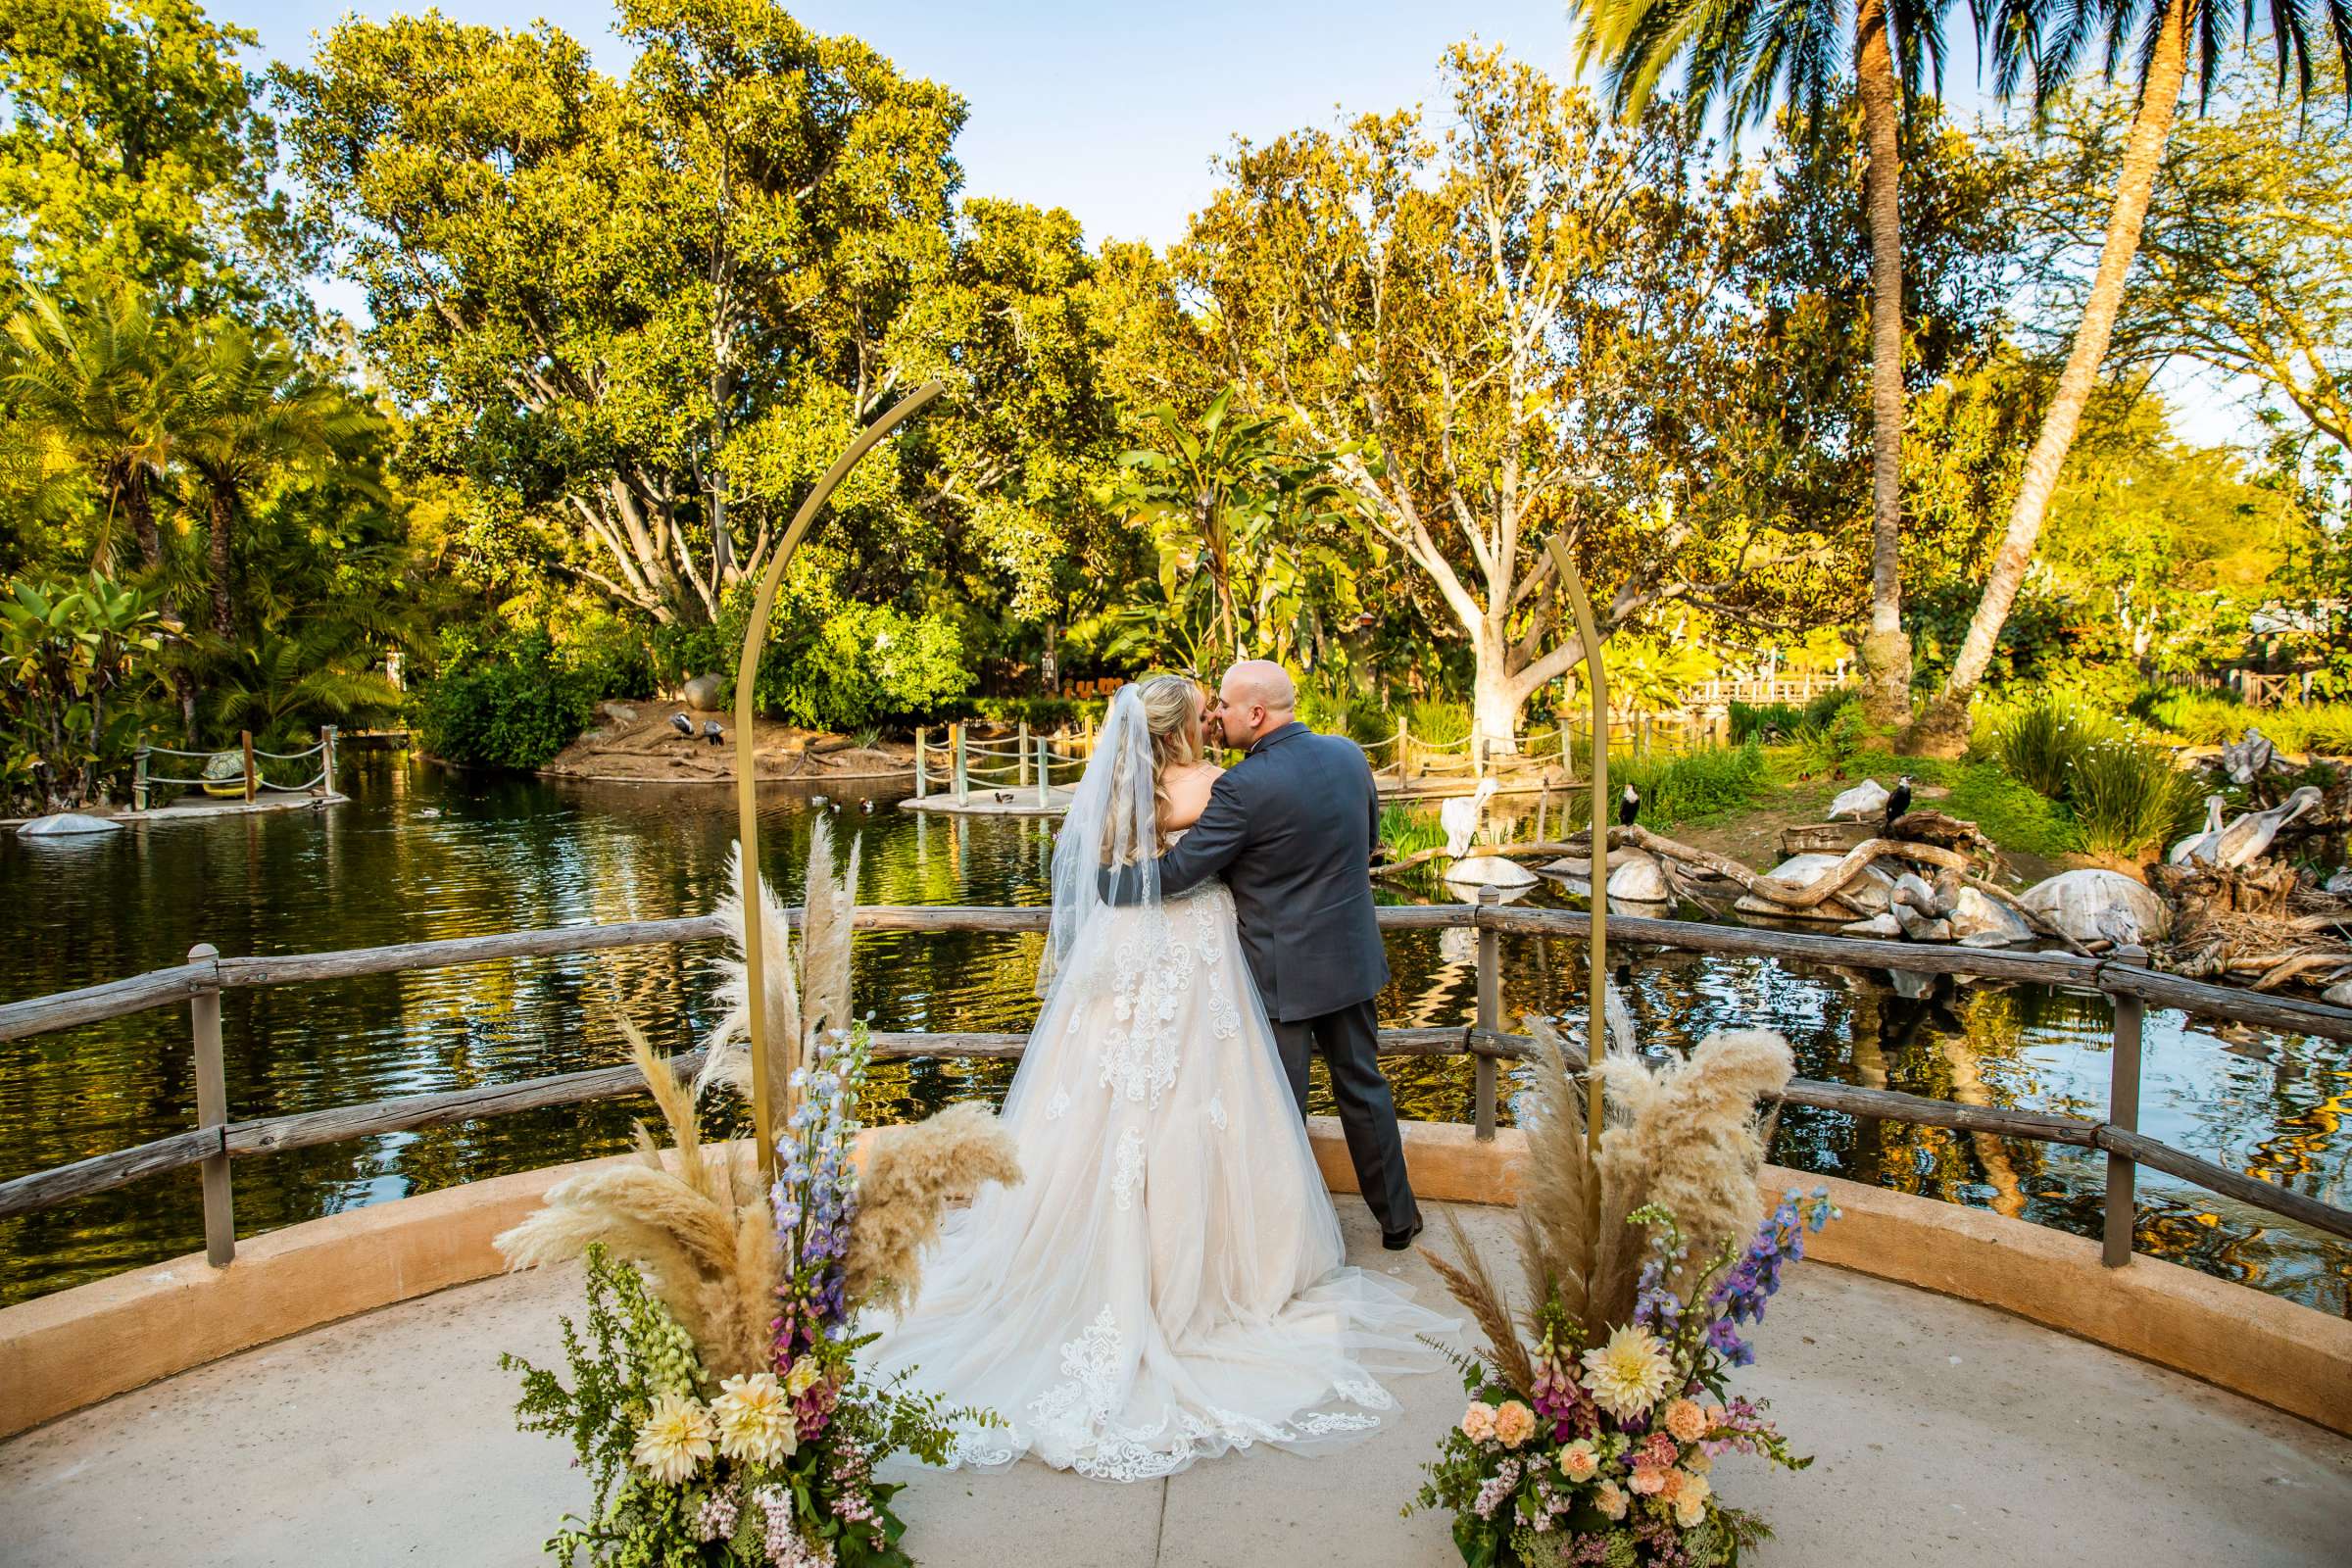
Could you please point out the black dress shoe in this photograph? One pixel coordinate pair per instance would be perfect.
(1399, 1241)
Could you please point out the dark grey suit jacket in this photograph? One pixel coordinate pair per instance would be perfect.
(1291, 828)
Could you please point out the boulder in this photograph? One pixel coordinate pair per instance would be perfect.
(1489, 872)
(1636, 877)
(1867, 798)
(1978, 921)
(2097, 906)
(2339, 884)
(67, 825)
(702, 692)
(2339, 993)
(619, 715)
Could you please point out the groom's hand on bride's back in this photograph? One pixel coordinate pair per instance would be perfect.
(1120, 884)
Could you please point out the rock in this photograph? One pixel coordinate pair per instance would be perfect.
(1489, 872)
(2097, 905)
(1978, 921)
(703, 691)
(619, 713)
(2339, 884)
(1883, 924)
(1867, 798)
(2339, 993)
(1636, 876)
(67, 825)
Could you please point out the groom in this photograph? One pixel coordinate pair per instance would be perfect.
(1292, 828)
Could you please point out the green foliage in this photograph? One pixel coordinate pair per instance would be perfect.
(1436, 722)
(2011, 815)
(1827, 748)
(2040, 743)
(514, 705)
(2126, 796)
(67, 650)
(1336, 710)
(1405, 831)
(836, 664)
(611, 652)
(2213, 718)
(1041, 713)
(1696, 786)
(1753, 720)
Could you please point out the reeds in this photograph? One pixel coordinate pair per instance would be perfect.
(911, 1173)
(799, 1005)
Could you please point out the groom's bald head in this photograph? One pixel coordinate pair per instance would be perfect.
(1256, 697)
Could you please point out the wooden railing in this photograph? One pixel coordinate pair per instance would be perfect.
(216, 1140)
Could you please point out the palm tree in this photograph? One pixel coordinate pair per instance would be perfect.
(254, 410)
(105, 383)
(1745, 54)
(2045, 39)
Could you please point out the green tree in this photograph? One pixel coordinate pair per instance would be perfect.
(1747, 54)
(2045, 40)
(107, 383)
(253, 411)
(648, 310)
(134, 154)
(1523, 325)
(67, 700)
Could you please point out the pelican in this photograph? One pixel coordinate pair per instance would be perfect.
(712, 733)
(2180, 852)
(1460, 818)
(682, 725)
(2249, 837)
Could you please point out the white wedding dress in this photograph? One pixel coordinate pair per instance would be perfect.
(1166, 1284)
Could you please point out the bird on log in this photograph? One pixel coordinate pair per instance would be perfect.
(1898, 801)
(1628, 806)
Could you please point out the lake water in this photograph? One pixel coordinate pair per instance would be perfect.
(424, 853)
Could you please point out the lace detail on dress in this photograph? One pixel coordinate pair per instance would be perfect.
(1216, 1113)
(1150, 981)
(1059, 1105)
(1130, 1171)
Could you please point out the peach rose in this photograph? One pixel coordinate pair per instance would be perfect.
(1610, 1499)
(1514, 1423)
(1478, 1422)
(1578, 1461)
(1686, 1421)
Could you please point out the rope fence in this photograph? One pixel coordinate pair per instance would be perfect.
(251, 777)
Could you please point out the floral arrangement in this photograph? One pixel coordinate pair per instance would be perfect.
(715, 1400)
(1597, 1415)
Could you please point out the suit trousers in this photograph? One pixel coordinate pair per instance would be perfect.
(1350, 1040)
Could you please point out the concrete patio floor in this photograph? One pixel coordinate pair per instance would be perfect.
(1943, 1432)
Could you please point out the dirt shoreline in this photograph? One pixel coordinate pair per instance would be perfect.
(636, 742)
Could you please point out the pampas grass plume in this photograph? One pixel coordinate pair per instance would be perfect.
(911, 1174)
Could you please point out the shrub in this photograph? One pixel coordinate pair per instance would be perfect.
(2040, 743)
(1362, 718)
(515, 705)
(1831, 747)
(1755, 720)
(835, 663)
(1042, 713)
(2126, 795)
(1693, 785)
(1437, 722)
(611, 654)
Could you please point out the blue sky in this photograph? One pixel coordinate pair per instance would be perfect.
(1118, 113)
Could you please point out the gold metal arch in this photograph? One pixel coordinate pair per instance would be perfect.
(764, 1093)
(1596, 1019)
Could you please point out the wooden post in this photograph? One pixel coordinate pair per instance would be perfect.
(1404, 748)
(211, 1111)
(138, 780)
(245, 738)
(1543, 808)
(2122, 1109)
(327, 759)
(1021, 751)
(1490, 1017)
(922, 774)
(963, 783)
(1044, 774)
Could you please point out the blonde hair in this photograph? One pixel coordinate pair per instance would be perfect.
(1171, 710)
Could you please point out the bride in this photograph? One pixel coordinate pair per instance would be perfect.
(1166, 1283)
